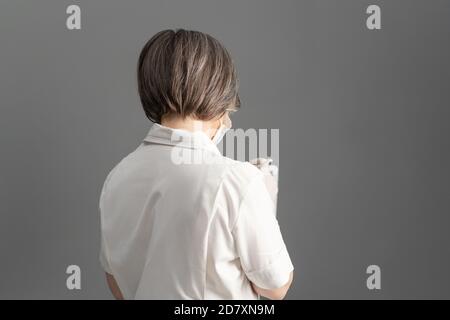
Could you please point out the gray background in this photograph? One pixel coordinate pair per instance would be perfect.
(363, 118)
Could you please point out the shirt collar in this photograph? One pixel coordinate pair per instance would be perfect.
(160, 134)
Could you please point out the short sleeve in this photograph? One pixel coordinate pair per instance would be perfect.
(104, 258)
(261, 249)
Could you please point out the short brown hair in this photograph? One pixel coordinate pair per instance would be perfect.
(188, 73)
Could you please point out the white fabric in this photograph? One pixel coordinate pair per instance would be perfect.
(270, 172)
(189, 231)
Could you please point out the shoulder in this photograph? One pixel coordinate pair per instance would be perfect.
(116, 168)
(239, 176)
(245, 171)
(236, 179)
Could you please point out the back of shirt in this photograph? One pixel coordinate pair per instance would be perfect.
(173, 230)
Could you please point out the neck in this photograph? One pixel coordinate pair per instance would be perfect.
(190, 124)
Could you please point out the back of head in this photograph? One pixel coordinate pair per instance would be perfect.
(186, 73)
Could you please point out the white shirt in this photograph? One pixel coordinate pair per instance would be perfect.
(200, 230)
